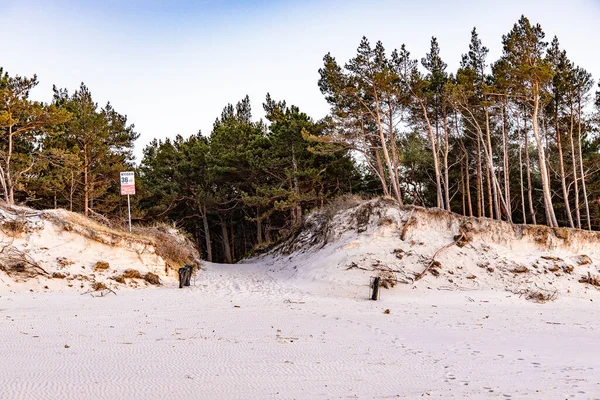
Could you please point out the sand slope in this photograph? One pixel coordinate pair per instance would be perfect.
(57, 250)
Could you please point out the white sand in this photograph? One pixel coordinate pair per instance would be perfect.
(286, 343)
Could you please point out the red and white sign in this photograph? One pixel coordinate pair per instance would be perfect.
(127, 183)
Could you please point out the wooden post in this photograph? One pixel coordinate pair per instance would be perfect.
(129, 212)
(375, 295)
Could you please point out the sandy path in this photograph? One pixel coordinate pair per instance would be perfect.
(284, 343)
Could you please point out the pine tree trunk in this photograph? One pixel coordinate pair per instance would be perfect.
(386, 155)
(490, 196)
(381, 174)
(462, 189)
(582, 173)
(298, 217)
(226, 247)
(436, 163)
(259, 234)
(529, 187)
(207, 234)
(521, 171)
(3, 182)
(245, 243)
(507, 196)
(492, 190)
(446, 174)
(10, 196)
(232, 229)
(467, 177)
(480, 196)
(494, 181)
(394, 150)
(563, 180)
(71, 191)
(574, 167)
(548, 207)
(86, 187)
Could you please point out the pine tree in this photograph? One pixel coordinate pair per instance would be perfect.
(23, 124)
(103, 142)
(528, 73)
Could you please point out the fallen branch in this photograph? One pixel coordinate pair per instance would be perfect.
(15, 262)
(461, 237)
(355, 266)
(102, 292)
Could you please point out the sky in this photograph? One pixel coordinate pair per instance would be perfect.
(171, 66)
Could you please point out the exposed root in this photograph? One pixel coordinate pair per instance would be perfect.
(410, 222)
(15, 262)
(460, 237)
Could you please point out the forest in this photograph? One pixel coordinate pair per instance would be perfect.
(513, 139)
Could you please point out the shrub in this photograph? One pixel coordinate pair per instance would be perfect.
(152, 279)
(101, 266)
(132, 274)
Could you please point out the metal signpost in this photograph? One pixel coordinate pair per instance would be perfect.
(128, 188)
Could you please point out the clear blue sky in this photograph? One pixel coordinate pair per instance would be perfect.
(172, 66)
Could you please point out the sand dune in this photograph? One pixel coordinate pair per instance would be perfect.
(296, 323)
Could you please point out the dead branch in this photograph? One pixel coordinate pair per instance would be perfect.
(15, 262)
(461, 237)
(355, 266)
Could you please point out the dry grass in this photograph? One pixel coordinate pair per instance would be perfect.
(175, 248)
(399, 253)
(170, 244)
(63, 262)
(131, 274)
(561, 233)
(584, 260)
(341, 203)
(98, 286)
(101, 266)
(538, 295)
(520, 269)
(152, 279)
(568, 269)
(388, 279)
(551, 258)
(14, 227)
(66, 218)
(590, 279)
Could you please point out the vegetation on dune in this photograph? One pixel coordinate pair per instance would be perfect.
(514, 139)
